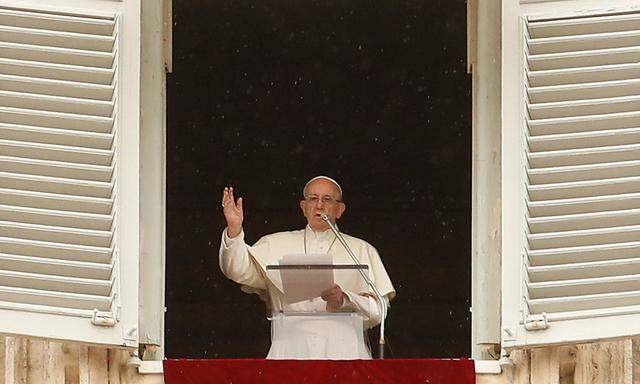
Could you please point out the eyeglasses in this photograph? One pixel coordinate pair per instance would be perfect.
(326, 199)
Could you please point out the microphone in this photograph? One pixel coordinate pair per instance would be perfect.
(379, 297)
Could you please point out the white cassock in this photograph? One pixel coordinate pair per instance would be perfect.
(310, 337)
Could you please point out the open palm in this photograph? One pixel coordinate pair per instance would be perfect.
(232, 210)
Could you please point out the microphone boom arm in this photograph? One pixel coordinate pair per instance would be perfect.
(379, 297)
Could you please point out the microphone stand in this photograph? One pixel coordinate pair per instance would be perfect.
(379, 297)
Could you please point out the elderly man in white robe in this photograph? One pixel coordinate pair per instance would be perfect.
(308, 337)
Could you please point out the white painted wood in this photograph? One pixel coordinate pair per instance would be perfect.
(573, 206)
(55, 201)
(570, 108)
(62, 300)
(582, 172)
(62, 104)
(577, 91)
(585, 220)
(48, 119)
(50, 310)
(56, 22)
(60, 39)
(56, 185)
(57, 55)
(584, 156)
(485, 211)
(152, 180)
(56, 136)
(56, 250)
(611, 56)
(55, 234)
(596, 314)
(584, 123)
(61, 169)
(128, 232)
(55, 152)
(42, 265)
(481, 367)
(584, 253)
(64, 88)
(167, 34)
(581, 76)
(55, 283)
(615, 267)
(56, 217)
(584, 205)
(584, 286)
(66, 124)
(583, 42)
(584, 188)
(56, 71)
(584, 302)
(584, 237)
(584, 25)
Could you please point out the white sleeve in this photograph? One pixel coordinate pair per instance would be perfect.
(367, 306)
(237, 264)
(312, 305)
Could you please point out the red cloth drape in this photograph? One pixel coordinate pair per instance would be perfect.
(259, 371)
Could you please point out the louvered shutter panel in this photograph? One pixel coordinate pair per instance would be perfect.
(58, 175)
(581, 267)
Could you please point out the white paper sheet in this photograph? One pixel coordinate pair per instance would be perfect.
(305, 284)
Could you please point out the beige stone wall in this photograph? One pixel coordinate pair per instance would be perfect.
(24, 361)
(599, 363)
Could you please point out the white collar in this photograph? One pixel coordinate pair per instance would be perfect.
(318, 235)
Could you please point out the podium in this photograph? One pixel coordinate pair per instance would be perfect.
(301, 325)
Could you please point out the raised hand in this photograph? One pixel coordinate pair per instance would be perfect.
(232, 210)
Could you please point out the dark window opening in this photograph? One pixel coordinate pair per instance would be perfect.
(265, 95)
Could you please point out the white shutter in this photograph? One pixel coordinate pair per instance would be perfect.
(581, 264)
(59, 250)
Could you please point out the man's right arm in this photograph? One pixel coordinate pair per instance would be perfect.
(236, 263)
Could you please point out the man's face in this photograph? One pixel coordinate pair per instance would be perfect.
(322, 196)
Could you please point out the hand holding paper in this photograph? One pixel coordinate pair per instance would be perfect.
(334, 297)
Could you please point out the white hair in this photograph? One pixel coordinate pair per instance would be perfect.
(304, 190)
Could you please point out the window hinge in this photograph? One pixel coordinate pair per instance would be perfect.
(103, 319)
(536, 322)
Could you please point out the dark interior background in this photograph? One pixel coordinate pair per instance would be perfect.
(266, 94)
